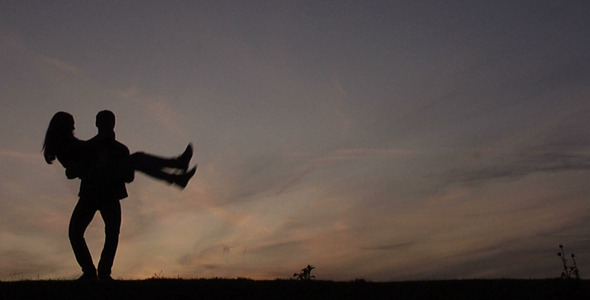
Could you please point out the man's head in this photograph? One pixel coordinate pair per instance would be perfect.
(105, 120)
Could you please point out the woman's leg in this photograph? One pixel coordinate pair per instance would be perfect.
(179, 179)
(152, 165)
(143, 161)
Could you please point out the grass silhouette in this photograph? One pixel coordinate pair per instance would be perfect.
(296, 289)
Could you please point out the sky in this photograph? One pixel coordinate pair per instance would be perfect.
(382, 140)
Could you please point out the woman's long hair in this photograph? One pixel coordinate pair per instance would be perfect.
(60, 128)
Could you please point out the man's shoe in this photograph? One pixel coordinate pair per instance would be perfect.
(105, 278)
(88, 277)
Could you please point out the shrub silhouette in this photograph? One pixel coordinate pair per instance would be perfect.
(305, 273)
(569, 272)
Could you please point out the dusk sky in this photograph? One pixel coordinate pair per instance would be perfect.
(383, 140)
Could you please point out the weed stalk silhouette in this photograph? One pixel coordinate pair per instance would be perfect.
(305, 273)
(569, 272)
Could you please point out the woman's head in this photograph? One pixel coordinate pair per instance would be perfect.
(60, 127)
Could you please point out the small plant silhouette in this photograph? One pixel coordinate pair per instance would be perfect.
(305, 273)
(569, 272)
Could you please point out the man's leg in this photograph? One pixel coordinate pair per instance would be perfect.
(111, 214)
(81, 218)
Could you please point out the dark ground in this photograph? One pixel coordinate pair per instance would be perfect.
(169, 289)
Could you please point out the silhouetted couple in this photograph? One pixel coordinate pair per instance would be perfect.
(104, 165)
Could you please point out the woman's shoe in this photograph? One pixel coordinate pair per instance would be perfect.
(183, 179)
(184, 159)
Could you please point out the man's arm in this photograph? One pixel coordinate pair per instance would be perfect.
(127, 170)
(73, 172)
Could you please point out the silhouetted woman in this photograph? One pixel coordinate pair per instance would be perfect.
(71, 152)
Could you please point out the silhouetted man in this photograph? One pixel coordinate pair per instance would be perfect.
(102, 186)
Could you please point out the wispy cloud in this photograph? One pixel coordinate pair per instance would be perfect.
(216, 253)
(388, 247)
(347, 154)
(369, 152)
(522, 163)
(158, 109)
(296, 179)
(20, 155)
(12, 41)
(272, 175)
(19, 264)
(59, 64)
(312, 161)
